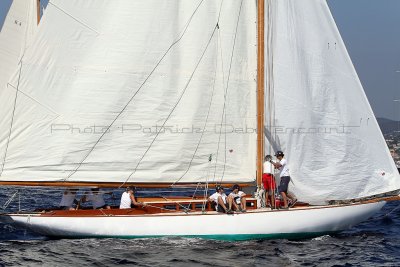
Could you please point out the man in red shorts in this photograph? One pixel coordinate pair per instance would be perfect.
(268, 181)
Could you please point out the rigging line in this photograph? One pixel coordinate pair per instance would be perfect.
(157, 207)
(12, 118)
(226, 90)
(387, 214)
(272, 78)
(204, 126)
(176, 104)
(223, 85)
(203, 209)
(270, 81)
(77, 20)
(33, 99)
(9, 200)
(211, 100)
(185, 209)
(138, 90)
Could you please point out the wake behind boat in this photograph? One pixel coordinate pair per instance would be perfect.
(160, 94)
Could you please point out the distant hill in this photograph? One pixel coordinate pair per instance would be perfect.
(388, 126)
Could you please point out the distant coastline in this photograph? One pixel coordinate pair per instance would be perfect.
(391, 132)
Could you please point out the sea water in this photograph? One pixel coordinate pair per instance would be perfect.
(372, 243)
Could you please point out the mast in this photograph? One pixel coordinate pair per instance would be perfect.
(38, 11)
(260, 90)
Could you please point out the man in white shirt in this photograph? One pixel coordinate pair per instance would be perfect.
(68, 200)
(283, 168)
(96, 197)
(238, 199)
(220, 199)
(128, 199)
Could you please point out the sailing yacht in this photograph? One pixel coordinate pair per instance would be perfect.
(193, 93)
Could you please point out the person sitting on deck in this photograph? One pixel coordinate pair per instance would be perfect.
(68, 201)
(220, 199)
(96, 197)
(238, 199)
(128, 199)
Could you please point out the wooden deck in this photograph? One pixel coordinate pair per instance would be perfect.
(153, 206)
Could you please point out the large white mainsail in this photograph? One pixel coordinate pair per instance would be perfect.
(320, 115)
(189, 66)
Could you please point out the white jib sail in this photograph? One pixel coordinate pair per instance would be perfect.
(322, 120)
(138, 91)
(17, 31)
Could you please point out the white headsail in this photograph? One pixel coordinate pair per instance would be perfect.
(322, 120)
(17, 31)
(138, 91)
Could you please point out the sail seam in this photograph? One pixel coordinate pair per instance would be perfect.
(203, 130)
(137, 91)
(12, 119)
(77, 20)
(176, 104)
(225, 94)
(34, 100)
(272, 146)
(211, 100)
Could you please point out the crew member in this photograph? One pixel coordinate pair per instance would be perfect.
(282, 166)
(268, 181)
(128, 199)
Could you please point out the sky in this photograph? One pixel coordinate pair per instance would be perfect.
(371, 32)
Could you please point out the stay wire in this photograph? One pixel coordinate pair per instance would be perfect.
(74, 18)
(204, 126)
(223, 85)
(387, 214)
(225, 94)
(187, 208)
(12, 118)
(176, 104)
(211, 99)
(9, 200)
(206, 187)
(137, 91)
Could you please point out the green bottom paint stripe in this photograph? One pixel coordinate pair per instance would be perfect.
(239, 237)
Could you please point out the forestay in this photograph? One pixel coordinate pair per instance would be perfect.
(322, 120)
(137, 91)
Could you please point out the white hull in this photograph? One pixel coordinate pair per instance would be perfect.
(261, 223)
